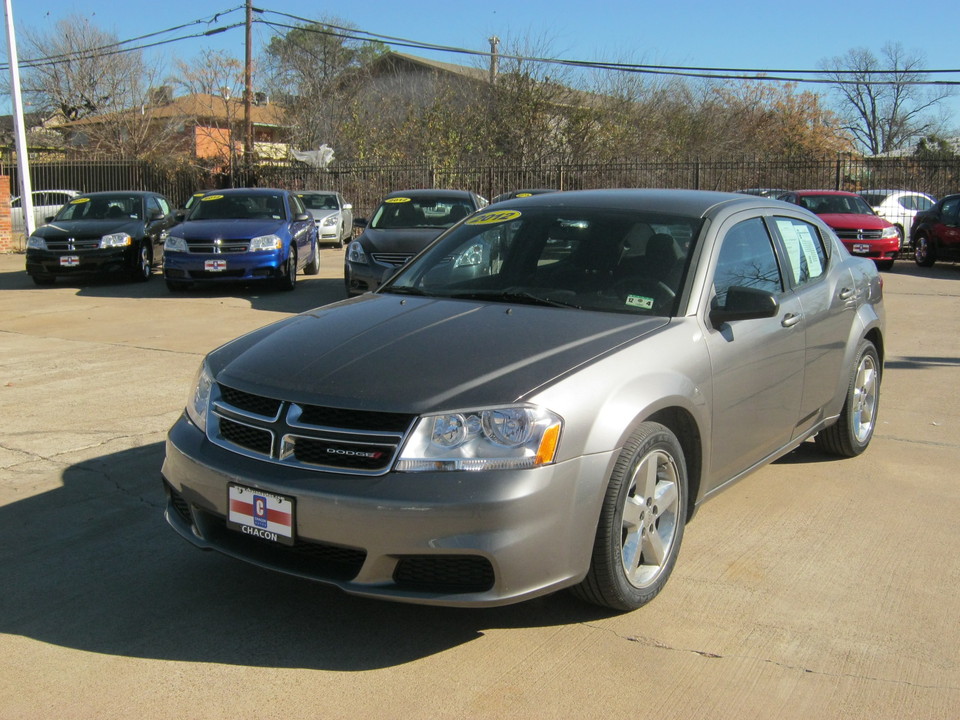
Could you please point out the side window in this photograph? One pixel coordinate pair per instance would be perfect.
(747, 259)
(950, 210)
(298, 206)
(805, 251)
(163, 205)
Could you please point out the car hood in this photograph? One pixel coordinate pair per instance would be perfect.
(224, 229)
(411, 240)
(854, 221)
(319, 215)
(416, 355)
(88, 228)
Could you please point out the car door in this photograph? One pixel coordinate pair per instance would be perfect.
(946, 228)
(155, 228)
(827, 300)
(301, 231)
(757, 365)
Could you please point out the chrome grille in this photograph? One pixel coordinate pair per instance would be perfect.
(356, 442)
(859, 234)
(395, 259)
(216, 247)
(71, 244)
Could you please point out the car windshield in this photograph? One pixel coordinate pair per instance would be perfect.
(420, 212)
(239, 206)
(319, 201)
(589, 259)
(102, 207)
(836, 204)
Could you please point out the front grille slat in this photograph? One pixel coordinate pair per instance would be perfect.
(313, 437)
(395, 259)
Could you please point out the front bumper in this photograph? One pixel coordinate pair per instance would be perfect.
(224, 267)
(81, 262)
(885, 249)
(366, 277)
(460, 539)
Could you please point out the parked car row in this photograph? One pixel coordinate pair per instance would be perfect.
(237, 235)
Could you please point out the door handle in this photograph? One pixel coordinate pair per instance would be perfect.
(791, 319)
(846, 294)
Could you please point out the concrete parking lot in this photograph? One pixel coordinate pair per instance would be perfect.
(814, 588)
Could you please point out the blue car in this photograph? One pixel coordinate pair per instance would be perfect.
(242, 235)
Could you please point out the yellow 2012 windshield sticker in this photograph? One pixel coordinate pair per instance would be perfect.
(496, 216)
(397, 200)
(79, 201)
(208, 198)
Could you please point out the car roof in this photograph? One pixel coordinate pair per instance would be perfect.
(433, 192)
(246, 191)
(695, 203)
(843, 193)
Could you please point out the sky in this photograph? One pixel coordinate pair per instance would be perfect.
(747, 34)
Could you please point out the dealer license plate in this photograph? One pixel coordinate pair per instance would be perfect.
(69, 260)
(261, 514)
(862, 248)
(215, 265)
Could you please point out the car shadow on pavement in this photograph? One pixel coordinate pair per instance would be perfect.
(92, 565)
(309, 293)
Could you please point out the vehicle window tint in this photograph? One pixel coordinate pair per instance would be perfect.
(923, 203)
(950, 210)
(164, 205)
(298, 207)
(747, 259)
(805, 251)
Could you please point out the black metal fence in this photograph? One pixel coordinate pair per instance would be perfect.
(364, 185)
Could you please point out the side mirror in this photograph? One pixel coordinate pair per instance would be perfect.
(47, 220)
(347, 206)
(743, 303)
(303, 217)
(155, 215)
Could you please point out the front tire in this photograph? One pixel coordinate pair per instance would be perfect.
(288, 281)
(850, 435)
(641, 522)
(144, 268)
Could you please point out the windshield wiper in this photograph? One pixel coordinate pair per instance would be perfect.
(517, 296)
(403, 290)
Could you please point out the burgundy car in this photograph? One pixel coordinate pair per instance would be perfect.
(860, 229)
(936, 232)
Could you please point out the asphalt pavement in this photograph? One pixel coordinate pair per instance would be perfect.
(814, 588)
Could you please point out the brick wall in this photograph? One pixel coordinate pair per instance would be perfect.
(6, 227)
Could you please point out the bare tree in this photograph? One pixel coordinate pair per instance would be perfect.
(882, 101)
(79, 70)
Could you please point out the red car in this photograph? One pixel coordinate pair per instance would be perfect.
(860, 229)
(936, 232)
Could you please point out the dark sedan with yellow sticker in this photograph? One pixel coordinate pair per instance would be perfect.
(403, 225)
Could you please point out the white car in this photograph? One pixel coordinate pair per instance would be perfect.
(333, 215)
(898, 207)
(45, 204)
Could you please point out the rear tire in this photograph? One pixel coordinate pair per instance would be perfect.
(850, 435)
(924, 254)
(641, 522)
(313, 267)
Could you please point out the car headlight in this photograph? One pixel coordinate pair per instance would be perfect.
(172, 243)
(355, 253)
(36, 243)
(114, 240)
(331, 220)
(199, 398)
(503, 438)
(890, 232)
(266, 242)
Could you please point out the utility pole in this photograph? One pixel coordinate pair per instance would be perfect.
(247, 90)
(494, 58)
(20, 133)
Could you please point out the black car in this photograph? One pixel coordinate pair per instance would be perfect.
(936, 232)
(403, 225)
(103, 232)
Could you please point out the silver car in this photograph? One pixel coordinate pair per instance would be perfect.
(332, 214)
(540, 400)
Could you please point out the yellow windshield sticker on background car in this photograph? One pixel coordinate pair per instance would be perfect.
(519, 195)
(397, 200)
(497, 216)
(640, 301)
(208, 198)
(78, 201)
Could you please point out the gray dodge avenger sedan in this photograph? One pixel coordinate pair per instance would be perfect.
(539, 400)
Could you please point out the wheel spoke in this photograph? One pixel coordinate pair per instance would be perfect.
(654, 548)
